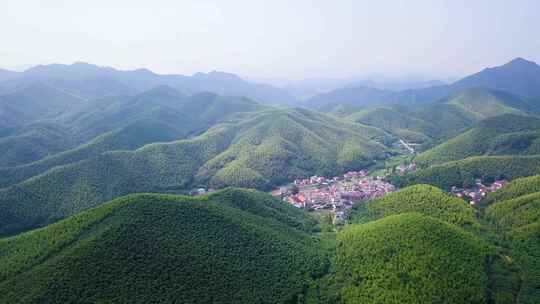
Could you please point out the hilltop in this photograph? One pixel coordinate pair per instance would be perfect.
(424, 199)
(413, 258)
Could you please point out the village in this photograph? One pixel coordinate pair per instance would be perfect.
(334, 195)
(340, 193)
(475, 194)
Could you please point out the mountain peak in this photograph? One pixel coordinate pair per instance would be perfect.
(224, 76)
(519, 61)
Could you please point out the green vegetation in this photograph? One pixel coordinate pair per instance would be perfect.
(233, 246)
(464, 172)
(33, 143)
(261, 151)
(507, 134)
(516, 212)
(112, 124)
(128, 138)
(391, 120)
(424, 199)
(514, 189)
(411, 258)
(148, 118)
(484, 103)
(189, 115)
(526, 247)
(518, 220)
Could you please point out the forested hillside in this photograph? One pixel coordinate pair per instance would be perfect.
(518, 187)
(425, 199)
(507, 134)
(115, 123)
(464, 172)
(79, 143)
(234, 246)
(261, 151)
(515, 213)
(411, 258)
(437, 121)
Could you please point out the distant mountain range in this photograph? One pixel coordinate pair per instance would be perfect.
(90, 81)
(519, 77)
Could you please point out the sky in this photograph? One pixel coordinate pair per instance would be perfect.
(275, 38)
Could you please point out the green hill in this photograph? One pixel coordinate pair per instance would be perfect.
(516, 212)
(447, 118)
(193, 114)
(130, 137)
(516, 188)
(439, 120)
(517, 219)
(526, 248)
(233, 246)
(410, 258)
(485, 103)
(37, 101)
(507, 134)
(424, 199)
(142, 120)
(261, 151)
(32, 143)
(81, 124)
(464, 172)
(391, 120)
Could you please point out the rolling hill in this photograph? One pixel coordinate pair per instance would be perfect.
(36, 102)
(189, 114)
(515, 213)
(411, 258)
(464, 172)
(434, 122)
(233, 246)
(32, 143)
(261, 151)
(402, 125)
(424, 199)
(110, 124)
(130, 137)
(516, 188)
(507, 134)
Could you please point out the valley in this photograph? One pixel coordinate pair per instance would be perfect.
(138, 186)
(334, 195)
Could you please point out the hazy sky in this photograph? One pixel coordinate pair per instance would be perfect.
(274, 38)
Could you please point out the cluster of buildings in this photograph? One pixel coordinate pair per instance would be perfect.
(200, 191)
(479, 191)
(336, 194)
(402, 169)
